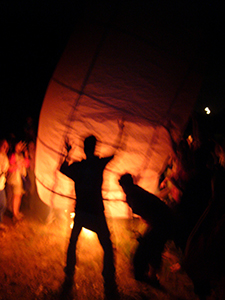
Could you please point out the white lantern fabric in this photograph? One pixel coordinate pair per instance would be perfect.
(109, 72)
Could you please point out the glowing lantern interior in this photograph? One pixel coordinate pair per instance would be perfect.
(111, 73)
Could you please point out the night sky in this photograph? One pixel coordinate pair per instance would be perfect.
(35, 33)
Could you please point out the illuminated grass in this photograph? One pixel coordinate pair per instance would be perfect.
(33, 256)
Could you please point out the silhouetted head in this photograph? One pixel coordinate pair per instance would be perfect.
(126, 181)
(89, 145)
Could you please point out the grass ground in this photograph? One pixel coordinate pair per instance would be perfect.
(33, 254)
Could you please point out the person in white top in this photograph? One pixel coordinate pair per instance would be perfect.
(4, 166)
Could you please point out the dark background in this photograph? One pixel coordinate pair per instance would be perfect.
(35, 33)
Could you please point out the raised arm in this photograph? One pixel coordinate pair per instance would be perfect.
(64, 163)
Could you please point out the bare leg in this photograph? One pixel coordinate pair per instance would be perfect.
(16, 206)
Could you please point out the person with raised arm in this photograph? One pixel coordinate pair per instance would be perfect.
(87, 175)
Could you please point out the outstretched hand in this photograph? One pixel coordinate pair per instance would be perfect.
(67, 145)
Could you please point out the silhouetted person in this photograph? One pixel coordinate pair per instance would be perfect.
(196, 196)
(159, 218)
(89, 211)
(204, 259)
(19, 162)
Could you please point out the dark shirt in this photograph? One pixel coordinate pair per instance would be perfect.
(88, 177)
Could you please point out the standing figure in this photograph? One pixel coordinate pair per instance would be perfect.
(89, 211)
(19, 162)
(4, 165)
(204, 259)
(148, 255)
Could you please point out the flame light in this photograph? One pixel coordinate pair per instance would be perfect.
(88, 233)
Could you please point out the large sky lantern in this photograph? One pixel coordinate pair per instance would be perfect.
(113, 72)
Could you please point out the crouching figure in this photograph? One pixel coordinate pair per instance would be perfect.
(148, 255)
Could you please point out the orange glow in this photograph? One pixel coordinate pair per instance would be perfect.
(86, 97)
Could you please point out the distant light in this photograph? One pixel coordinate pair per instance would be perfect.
(190, 139)
(207, 110)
